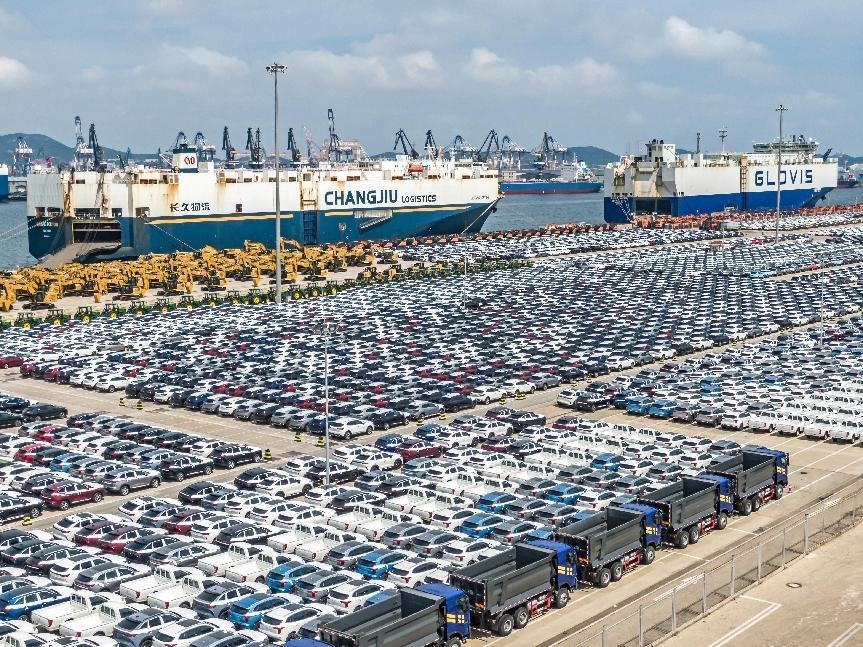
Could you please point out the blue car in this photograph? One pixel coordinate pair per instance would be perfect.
(62, 463)
(610, 462)
(388, 442)
(639, 406)
(247, 612)
(419, 466)
(429, 432)
(661, 409)
(481, 524)
(622, 399)
(283, 578)
(567, 493)
(377, 564)
(495, 501)
(21, 602)
(543, 533)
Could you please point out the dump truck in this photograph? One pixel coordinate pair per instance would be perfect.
(506, 590)
(689, 508)
(611, 542)
(431, 615)
(756, 477)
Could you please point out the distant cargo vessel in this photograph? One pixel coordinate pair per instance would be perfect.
(138, 210)
(847, 180)
(4, 182)
(667, 184)
(582, 181)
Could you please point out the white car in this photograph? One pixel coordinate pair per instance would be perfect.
(133, 509)
(100, 622)
(486, 394)
(635, 466)
(596, 499)
(351, 596)
(284, 623)
(325, 494)
(81, 603)
(457, 437)
(487, 428)
(284, 485)
(412, 572)
(467, 551)
(244, 502)
(735, 420)
(111, 383)
(184, 632)
(346, 427)
(66, 571)
(349, 451)
(206, 447)
(207, 530)
(24, 639)
(377, 460)
(518, 387)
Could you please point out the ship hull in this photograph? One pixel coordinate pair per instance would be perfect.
(848, 184)
(549, 187)
(165, 235)
(618, 211)
(4, 186)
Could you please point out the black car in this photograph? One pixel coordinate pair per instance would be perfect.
(194, 493)
(80, 419)
(455, 402)
(246, 532)
(14, 508)
(43, 411)
(348, 500)
(229, 456)
(522, 419)
(14, 404)
(339, 473)
(180, 468)
(386, 418)
(9, 419)
(142, 548)
(251, 478)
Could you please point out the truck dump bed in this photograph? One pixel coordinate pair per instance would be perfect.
(683, 502)
(409, 618)
(749, 471)
(495, 583)
(603, 536)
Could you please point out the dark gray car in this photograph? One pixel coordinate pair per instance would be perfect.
(122, 480)
(213, 602)
(109, 576)
(320, 583)
(347, 554)
(401, 535)
(138, 629)
(221, 638)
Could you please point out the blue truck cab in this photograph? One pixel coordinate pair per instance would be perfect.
(607, 461)
(495, 502)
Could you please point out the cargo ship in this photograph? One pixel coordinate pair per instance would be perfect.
(665, 183)
(4, 182)
(582, 180)
(847, 180)
(136, 210)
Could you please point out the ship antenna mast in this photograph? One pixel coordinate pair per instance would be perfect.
(723, 133)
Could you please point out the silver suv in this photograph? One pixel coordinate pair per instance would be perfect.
(138, 629)
(124, 479)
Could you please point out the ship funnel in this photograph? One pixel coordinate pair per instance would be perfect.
(185, 159)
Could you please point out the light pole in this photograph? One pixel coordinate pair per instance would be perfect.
(275, 69)
(325, 330)
(781, 110)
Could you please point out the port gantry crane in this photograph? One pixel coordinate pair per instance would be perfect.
(230, 151)
(483, 153)
(546, 154)
(431, 148)
(83, 159)
(21, 158)
(407, 147)
(511, 152)
(206, 151)
(256, 151)
(99, 161)
(296, 154)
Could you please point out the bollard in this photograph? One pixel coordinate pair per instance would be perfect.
(520, 396)
(140, 405)
(441, 416)
(503, 399)
(26, 521)
(122, 402)
(298, 438)
(320, 442)
(268, 455)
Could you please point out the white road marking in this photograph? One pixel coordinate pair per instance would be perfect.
(758, 617)
(846, 635)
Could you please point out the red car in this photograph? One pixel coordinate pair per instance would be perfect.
(28, 452)
(418, 448)
(46, 434)
(116, 540)
(570, 423)
(94, 529)
(497, 443)
(63, 496)
(181, 523)
(7, 361)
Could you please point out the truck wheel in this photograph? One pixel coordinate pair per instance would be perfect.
(779, 492)
(682, 539)
(722, 521)
(694, 534)
(504, 625)
(756, 503)
(648, 554)
(616, 571)
(745, 507)
(603, 578)
(521, 617)
(561, 598)
(185, 605)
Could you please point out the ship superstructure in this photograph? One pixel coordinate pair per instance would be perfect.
(665, 183)
(136, 210)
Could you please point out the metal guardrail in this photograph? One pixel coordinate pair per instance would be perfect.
(693, 597)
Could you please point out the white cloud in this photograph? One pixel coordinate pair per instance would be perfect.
(413, 69)
(708, 44)
(208, 60)
(486, 66)
(12, 72)
(93, 73)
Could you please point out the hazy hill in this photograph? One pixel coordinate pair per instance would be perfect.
(44, 146)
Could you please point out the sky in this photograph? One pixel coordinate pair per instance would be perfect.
(613, 75)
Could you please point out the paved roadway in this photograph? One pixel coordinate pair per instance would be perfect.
(818, 468)
(817, 601)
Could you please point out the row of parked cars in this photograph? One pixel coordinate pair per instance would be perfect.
(808, 383)
(93, 455)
